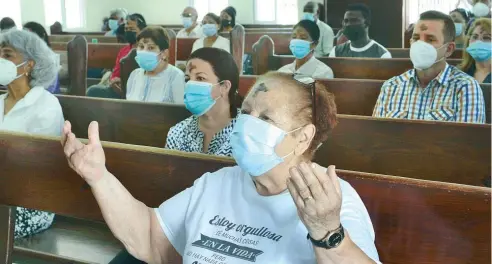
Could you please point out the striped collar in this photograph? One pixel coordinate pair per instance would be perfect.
(442, 78)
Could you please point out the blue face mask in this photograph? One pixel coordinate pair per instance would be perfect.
(198, 97)
(459, 29)
(308, 16)
(209, 30)
(187, 22)
(113, 24)
(480, 51)
(300, 48)
(147, 60)
(253, 143)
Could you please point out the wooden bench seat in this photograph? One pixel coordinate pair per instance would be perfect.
(440, 151)
(415, 221)
(71, 240)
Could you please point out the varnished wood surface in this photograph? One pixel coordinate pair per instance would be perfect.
(90, 38)
(357, 97)
(77, 55)
(71, 240)
(7, 220)
(127, 65)
(440, 151)
(415, 221)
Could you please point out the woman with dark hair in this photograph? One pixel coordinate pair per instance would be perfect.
(211, 95)
(7, 23)
(478, 47)
(460, 18)
(228, 19)
(210, 27)
(39, 30)
(305, 38)
(156, 80)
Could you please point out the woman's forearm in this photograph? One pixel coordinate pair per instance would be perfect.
(346, 253)
(128, 218)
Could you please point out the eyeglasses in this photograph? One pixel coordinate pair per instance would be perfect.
(308, 83)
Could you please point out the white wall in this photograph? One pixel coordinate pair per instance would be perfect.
(154, 11)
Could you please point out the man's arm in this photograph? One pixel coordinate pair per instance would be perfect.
(379, 108)
(328, 40)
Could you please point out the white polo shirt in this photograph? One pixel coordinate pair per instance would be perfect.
(326, 39)
(220, 43)
(195, 33)
(223, 218)
(39, 112)
(313, 68)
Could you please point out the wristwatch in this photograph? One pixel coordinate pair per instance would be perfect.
(332, 240)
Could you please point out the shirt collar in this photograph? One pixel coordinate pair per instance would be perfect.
(32, 96)
(441, 78)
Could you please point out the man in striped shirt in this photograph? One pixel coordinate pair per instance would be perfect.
(433, 90)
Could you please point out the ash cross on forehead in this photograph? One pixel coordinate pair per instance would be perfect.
(423, 27)
(261, 87)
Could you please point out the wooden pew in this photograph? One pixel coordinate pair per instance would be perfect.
(265, 60)
(415, 221)
(440, 151)
(237, 38)
(90, 38)
(357, 97)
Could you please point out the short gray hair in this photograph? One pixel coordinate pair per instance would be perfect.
(32, 47)
(119, 13)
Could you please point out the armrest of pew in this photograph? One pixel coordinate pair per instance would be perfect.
(262, 50)
(237, 46)
(77, 65)
(127, 65)
(172, 46)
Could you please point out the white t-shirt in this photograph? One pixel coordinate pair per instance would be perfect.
(313, 68)
(326, 39)
(195, 33)
(220, 43)
(165, 87)
(39, 112)
(222, 218)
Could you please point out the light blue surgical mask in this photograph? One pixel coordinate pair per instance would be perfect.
(147, 60)
(209, 30)
(187, 22)
(300, 48)
(253, 143)
(459, 29)
(480, 51)
(308, 16)
(198, 97)
(113, 24)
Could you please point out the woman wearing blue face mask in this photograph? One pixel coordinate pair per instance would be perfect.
(210, 26)
(156, 80)
(460, 18)
(276, 206)
(211, 96)
(477, 58)
(304, 40)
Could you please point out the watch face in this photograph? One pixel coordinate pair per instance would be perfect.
(335, 240)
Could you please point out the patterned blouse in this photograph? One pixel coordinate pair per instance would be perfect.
(186, 136)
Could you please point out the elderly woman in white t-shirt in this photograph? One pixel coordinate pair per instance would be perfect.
(305, 39)
(211, 25)
(259, 211)
(156, 80)
(28, 67)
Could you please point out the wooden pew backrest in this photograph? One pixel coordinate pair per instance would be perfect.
(77, 56)
(441, 151)
(415, 221)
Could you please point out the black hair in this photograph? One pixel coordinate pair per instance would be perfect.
(449, 29)
(364, 9)
(6, 23)
(215, 17)
(231, 11)
(311, 27)
(157, 34)
(225, 68)
(321, 10)
(463, 13)
(141, 23)
(39, 30)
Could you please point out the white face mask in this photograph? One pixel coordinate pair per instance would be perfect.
(424, 55)
(8, 71)
(481, 10)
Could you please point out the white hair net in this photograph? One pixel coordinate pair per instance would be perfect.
(119, 13)
(32, 47)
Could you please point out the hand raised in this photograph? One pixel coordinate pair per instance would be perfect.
(87, 160)
(318, 198)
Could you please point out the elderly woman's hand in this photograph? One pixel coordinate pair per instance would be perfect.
(318, 198)
(87, 160)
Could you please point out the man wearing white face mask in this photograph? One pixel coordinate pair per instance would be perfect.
(434, 90)
(191, 28)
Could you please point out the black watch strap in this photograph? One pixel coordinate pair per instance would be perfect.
(332, 240)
